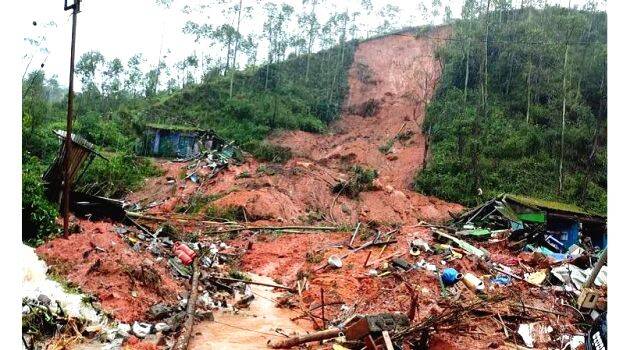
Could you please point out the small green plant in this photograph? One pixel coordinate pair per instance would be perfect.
(387, 146)
(196, 202)
(68, 286)
(267, 170)
(243, 175)
(265, 151)
(360, 180)
(237, 274)
(314, 257)
(228, 213)
(404, 135)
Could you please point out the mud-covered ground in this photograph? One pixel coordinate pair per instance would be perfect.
(396, 75)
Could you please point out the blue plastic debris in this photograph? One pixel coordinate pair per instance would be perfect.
(502, 280)
(450, 276)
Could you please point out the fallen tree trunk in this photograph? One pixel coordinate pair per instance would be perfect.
(184, 338)
(294, 341)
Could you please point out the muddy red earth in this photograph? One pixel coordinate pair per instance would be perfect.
(125, 282)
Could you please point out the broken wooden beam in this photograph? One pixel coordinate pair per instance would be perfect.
(184, 338)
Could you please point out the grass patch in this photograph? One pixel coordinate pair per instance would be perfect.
(265, 151)
(196, 202)
(228, 213)
(237, 274)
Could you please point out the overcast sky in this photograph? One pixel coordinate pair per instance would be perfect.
(121, 29)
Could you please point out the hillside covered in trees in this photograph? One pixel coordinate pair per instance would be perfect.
(521, 107)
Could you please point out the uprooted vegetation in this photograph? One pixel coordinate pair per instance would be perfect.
(360, 180)
(366, 109)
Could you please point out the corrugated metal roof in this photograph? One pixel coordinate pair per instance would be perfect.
(78, 140)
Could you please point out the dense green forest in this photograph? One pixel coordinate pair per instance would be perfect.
(521, 107)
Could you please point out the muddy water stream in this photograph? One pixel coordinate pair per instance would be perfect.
(248, 329)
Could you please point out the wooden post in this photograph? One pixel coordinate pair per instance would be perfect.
(365, 263)
(184, 338)
(324, 322)
(70, 111)
(600, 263)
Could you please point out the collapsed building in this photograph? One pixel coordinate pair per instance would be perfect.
(554, 227)
(177, 140)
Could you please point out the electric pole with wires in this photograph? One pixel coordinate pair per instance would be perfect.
(75, 7)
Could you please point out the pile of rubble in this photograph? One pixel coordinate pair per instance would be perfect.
(427, 276)
(208, 164)
(141, 301)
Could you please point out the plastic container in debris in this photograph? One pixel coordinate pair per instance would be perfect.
(450, 276)
(183, 247)
(335, 261)
(474, 283)
(185, 254)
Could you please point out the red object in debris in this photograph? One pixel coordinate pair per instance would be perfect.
(185, 254)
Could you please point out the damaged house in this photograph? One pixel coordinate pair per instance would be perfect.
(552, 225)
(177, 140)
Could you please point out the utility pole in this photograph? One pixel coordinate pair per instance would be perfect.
(75, 7)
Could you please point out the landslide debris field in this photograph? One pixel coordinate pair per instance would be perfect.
(331, 240)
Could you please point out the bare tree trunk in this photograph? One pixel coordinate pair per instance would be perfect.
(528, 81)
(270, 57)
(309, 42)
(466, 75)
(228, 54)
(184, 338)
(564, 110)
(233, 72)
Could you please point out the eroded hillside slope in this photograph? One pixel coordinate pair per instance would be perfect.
(391, 80)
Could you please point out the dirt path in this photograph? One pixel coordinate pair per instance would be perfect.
(248, 329)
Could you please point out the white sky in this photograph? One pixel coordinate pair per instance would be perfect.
(121, 29)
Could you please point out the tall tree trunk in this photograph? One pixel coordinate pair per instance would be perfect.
(270, 48)
(564, 110)
(233, 72)
(528, 81)
(486, 58)
(466, 75)
(228, 54)
(589, 166)
(309, 41)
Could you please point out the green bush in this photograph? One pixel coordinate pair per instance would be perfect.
(38, 214)
(118, 176)
(360, 180)
(265, 151)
